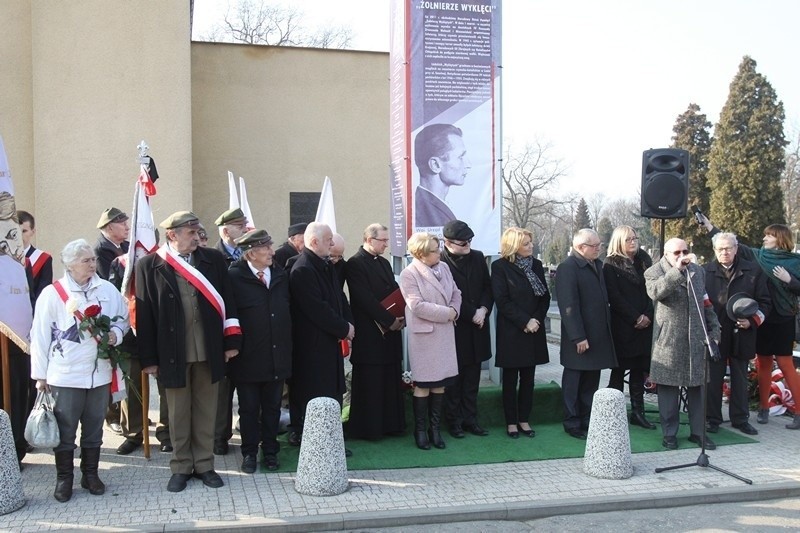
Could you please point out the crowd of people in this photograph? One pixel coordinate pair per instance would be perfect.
(273, 326)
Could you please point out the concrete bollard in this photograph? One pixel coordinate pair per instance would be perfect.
(11, 495)
(322, 467)
(608, 443)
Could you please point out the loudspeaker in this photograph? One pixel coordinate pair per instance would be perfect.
(665, 183)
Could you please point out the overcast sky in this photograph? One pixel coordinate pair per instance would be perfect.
(603, 81)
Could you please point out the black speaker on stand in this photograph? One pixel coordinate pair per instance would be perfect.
(665, 184)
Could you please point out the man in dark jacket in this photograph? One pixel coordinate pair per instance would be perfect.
(728, 276)
(231, 224)
(321, 318)
(187, 330)
(376, 405)
(586, 344)
(292, 247)
(261, 291)
(473, 342)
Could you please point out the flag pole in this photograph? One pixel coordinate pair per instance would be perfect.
(146, 414)
(6, 373)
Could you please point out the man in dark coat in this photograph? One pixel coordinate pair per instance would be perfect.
(321, 318)
(292, 247)
(376, 404)
(38, 262)
(473, 341)
(187, 330)
(586, 344)
(261, 291)
(726, 276)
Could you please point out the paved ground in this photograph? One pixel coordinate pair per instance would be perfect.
(136, 498)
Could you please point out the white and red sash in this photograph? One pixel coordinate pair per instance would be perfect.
(230, 326)
(37, 260)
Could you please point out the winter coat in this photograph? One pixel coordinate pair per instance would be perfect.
(583, 304)
(678, 335)
(516, 305)
(106, 251)
(431, 340)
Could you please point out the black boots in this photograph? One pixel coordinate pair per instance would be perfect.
(420, 406)
(435, 404)
(636, 390)
(64, 476)
(90, 457)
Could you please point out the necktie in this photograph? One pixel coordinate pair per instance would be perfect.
(185, 258)
(262, 279)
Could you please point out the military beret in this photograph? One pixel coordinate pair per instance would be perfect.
(181, 219)
(231, 216)
(456, 230)
(740, 305)
(297, 229)
(253, 239)
(112, 214)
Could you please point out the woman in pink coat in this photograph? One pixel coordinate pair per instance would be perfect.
(432, 300)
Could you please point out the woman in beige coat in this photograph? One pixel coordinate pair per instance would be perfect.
(432, 300)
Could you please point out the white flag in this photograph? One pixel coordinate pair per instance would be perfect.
(143, 235)
(246, 206)
(325, 211)
(233, 198)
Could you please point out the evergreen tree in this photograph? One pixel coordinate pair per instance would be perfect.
(747, 157)
(582, 218)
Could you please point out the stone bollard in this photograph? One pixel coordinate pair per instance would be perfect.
(11, 495)
(608, 443)
(322, 468)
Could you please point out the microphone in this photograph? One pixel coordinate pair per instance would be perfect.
(698, 215)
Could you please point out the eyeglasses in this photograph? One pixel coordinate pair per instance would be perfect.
(632, 239)
(595, 246)
(381, 240)
(680, 252)
(461, 243)
(725, 249)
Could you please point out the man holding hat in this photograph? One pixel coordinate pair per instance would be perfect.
(738, 290)
(113, 240)
(187, 330)
(232, 224)
(261, 291)
(291, 247)
(473, 343)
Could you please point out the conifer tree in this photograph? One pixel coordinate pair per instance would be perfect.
(582, 218)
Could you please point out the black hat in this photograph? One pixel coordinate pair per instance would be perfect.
(253, 239)
(297, 229)
(455, 230)
(181, 219)
(740, 305)
(231, 216)
(112, 214)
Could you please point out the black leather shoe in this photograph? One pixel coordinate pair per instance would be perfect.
(348, 452)
(457, 431)
(295, 438)
(512, 434)
(527, 432)
(475, 429)
(127, 447)
(249, 463)
(670, 443)
(577, 433)
(271, 462)
(709, 443)
(712, 428)
(746, 428)
(166, 448)
(177, 482)
(220, 448)
(210, 479)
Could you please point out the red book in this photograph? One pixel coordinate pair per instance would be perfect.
(395, 304)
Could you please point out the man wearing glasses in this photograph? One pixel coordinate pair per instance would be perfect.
(586, 344)
(681, 310)
(232, 224)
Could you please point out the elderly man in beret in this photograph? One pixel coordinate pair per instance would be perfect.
(261, 291)
(292, 247)
(734, 284)
(187, 330)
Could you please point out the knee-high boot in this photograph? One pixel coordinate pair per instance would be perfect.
(436, 403)
(636, 388)
(90, 458)
(420, 405)
(64, 475)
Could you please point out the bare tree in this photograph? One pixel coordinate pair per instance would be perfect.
(268, 23)
(596, 203)
(790, 183)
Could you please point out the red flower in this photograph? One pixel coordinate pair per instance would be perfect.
(92, 311)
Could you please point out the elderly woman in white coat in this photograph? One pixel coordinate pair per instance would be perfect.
(65, 361)
(432, 300)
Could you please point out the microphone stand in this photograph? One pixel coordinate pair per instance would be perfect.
(702, 459)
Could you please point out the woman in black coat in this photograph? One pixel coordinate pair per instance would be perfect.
(522, 299)
(261, 291)
(631, 316)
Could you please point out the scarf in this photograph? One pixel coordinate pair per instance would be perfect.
(768, 258)
(526, 264)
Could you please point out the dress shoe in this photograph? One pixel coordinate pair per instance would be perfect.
(712, 427)
(638, 419)
(577, 433)
(527, 432)
(746, 428)
(115, 427)
(670, 443)
(709, 443)
(220, 448)
(166, 448)
(271, 462)
(249, 463)
(295, 438)
(210, 479)
(177, 482)
(512, 434)
(763, 416)
(457, 431)
(127, 447)
(476, 430)
(348, 452)
(795, 423)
